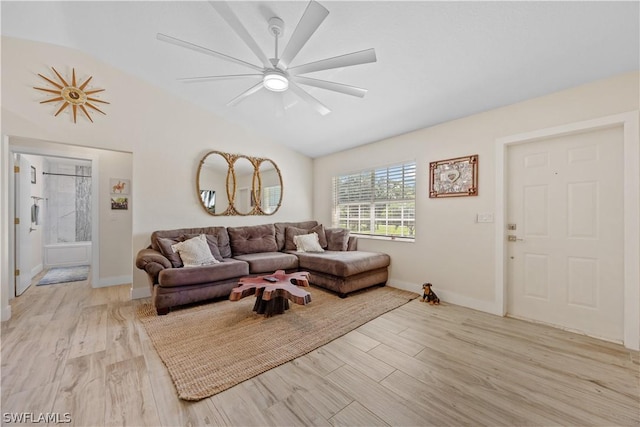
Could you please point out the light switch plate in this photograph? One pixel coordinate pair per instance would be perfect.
(484, 217)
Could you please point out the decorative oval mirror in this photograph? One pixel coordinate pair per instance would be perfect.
(233, 184)
(214, 181)
(244, 200)
(268, 187)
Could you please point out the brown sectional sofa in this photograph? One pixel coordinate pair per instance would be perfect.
(255, 250)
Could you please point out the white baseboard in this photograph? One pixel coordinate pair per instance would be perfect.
(137, 293)
(405, 286)
(113, 281)
(475, 304)
(450, 297)
(6, 313)
(35, 270)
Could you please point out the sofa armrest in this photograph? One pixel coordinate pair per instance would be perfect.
(353, 243)
(148, 256)
(153, 262)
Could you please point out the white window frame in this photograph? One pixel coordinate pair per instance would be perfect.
(360, 213)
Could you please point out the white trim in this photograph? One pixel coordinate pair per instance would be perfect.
(630, 123)
(632, 232)
(387, 238)
(405, 286)
(35, 270)
(95, 218)
(138, 293)
(112, 281)
(6, 314)
(486, 306)
(448, 297)
(5, 264)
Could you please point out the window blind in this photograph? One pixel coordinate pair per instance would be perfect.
(378, 202)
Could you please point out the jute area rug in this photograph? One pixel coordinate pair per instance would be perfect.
(212, 347)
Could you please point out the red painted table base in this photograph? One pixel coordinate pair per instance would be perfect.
(273, 297)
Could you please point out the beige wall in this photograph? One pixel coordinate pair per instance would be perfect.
(166, 135)
(451, 250)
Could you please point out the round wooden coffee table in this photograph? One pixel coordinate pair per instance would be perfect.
(272, 297)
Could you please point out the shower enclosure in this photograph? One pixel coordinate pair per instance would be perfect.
(67, 193)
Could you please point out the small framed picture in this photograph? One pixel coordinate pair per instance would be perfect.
(120, 203)
(33, 174)
(454, 177)
(119, 186)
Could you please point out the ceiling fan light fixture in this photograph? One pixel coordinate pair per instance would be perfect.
(275, 81)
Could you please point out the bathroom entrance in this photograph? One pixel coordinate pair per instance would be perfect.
(53, 205)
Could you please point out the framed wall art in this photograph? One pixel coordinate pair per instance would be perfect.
(454, 177)
(119, 186)
(120, 203)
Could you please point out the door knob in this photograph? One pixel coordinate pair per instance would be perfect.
(513, 238)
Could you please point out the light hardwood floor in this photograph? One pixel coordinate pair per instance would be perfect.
(73, 349)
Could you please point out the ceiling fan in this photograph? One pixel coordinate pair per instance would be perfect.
(276, 74)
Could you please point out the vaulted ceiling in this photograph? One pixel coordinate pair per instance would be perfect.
(436, 61)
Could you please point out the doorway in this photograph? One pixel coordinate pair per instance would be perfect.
(11, 147)
(629, 217)
(54, 215)
(565, 223)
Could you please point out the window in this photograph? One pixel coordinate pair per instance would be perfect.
(270, 198)
(377, 202)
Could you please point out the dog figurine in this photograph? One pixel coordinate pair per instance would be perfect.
(429, 296)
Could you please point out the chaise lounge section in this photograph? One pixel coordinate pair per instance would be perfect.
(254, 250)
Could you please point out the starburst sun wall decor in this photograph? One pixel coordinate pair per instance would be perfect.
(72, 94)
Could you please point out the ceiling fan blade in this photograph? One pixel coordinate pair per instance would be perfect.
(209, 78)
(336, 87)
(317, 105)
(195, 47)
(309, 23)
(253, 89)
(222, 7)
(355, 58)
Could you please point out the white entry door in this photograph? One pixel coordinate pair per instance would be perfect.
(565, 201)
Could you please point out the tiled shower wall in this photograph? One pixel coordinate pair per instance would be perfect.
(68, 203)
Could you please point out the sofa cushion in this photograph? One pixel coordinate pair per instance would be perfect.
(291, 232)
(342, 263)
(164, 247)
(337, 239)
(228, 269)
(282, 226)
(268, 262)
(307, 243)
(219, 232)
(195, 252)
(252, 239)
(212, 241)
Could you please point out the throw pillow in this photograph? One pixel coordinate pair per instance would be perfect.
(307, 243)
(253, 239)
(337, 239)
(290, 232)
(165, 249)
(212, 241)
(195, 252)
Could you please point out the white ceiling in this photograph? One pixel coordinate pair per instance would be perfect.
(437, 61)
